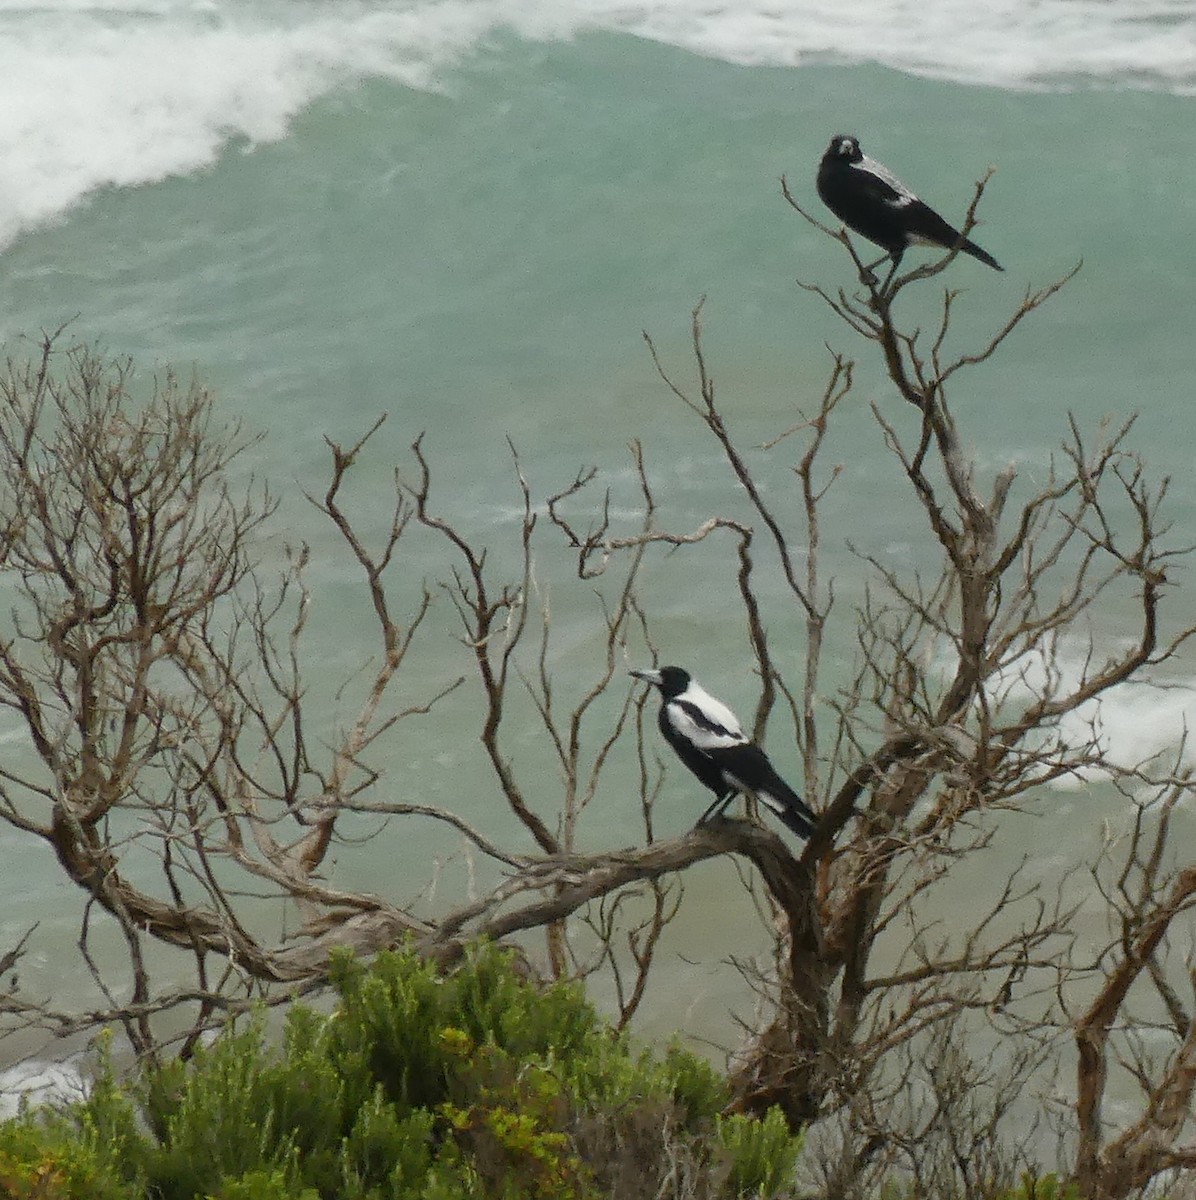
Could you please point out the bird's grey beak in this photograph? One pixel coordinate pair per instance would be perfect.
(647, 676)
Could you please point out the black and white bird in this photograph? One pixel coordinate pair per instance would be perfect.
(871, 200)
(711, 743)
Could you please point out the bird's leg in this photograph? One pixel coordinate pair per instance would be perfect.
(719, 806)
(884, 287)
(868, 276)
(709, 812)
(868, 273)
(726, 802)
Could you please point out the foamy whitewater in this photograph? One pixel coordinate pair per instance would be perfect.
(464, 214)
(110, 94)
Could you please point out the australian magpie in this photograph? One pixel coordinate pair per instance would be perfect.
(711, 743)
(876, 204)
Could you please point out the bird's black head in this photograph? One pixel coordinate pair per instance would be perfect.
(844, 148)
(672, 681)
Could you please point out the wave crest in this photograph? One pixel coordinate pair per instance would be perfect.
(99, 95)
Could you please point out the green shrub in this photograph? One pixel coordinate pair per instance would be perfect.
(762, 1153)
(1042, 1187)
(45, 1158)
(1031, 1187)
(263, 1185)
(420, 1086)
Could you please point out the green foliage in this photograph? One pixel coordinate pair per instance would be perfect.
(762, 1154)
(695, 1084)
(222, 1120)
(44, 1159)
(21, 1180)
(1042, 1187)
(420, 1086)
(408, 1024)
(263, 1185)
(109, 1126)
(1031, 1187)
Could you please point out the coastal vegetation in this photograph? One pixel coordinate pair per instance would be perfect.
(418, 1086)
(181, 778)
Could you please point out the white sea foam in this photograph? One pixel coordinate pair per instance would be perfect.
(1133, 723)
(1005, 43)
(1011, 43)
(38, 1083)
(94, 97)
(97, 95)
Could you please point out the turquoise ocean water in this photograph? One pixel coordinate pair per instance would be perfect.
(465, 213)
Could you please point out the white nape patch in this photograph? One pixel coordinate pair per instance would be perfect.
(904, 196)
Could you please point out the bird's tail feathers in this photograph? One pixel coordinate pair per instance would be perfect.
(971, 248)
(924, 224)
(789, 808)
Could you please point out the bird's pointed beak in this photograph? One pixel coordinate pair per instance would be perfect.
(647, 676)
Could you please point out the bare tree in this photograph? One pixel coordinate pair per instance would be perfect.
(158, 680)
(1138, 1020)
(186, 786)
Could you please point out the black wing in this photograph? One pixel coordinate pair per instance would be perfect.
(876, 188)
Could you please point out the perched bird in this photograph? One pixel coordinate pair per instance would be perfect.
(710, 742)
(876, 204)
